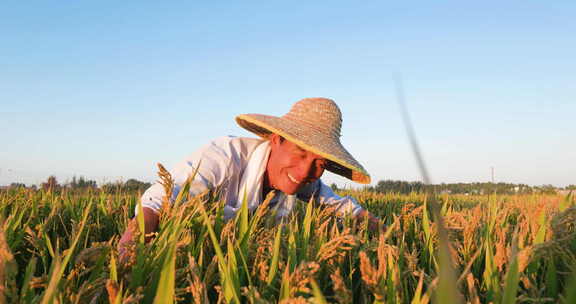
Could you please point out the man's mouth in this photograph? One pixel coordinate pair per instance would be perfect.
(292, 179)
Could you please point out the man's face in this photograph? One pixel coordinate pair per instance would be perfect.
(291, 167)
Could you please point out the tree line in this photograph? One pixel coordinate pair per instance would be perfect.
(383, 186)
(83, 184)
(405, 187)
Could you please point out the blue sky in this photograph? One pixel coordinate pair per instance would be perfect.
(108, 89)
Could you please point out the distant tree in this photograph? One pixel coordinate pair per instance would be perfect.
(454, 188)
(132, 185)
(570, 187)
(398, 186)
(51, 183)
(112, 187)
(86, 183)
(334, 187)
(82, 183)
(136, 185)
(547, 189)
(17, 185)
(74, 183)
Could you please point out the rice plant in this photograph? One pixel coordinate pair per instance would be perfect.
(60, 247)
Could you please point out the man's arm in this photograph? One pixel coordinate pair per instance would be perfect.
(211, 162)
(151, 220)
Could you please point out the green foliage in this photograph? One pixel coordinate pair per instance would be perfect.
(82, 183)
(131, 185)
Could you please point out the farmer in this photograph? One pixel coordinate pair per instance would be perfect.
(293, 152)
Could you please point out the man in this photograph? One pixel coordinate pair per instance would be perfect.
(292, 155)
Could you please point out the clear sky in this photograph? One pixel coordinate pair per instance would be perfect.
(107, 89)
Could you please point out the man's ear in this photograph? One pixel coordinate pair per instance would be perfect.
(275, 139)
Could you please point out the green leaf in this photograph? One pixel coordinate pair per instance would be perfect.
(232, 278)
(490, 272)
(292, 246)
(541, 235)
(551, 279)
(165, 289)
(275, 256)
(185, 189)
(49, 245)
(417, 298)
(140, 220)
(512, 277)
(285, 284)
(570, 296)
(306, 230)
(318, 296)
(245, 267)
(243, 228)
(565, 203)
(426, 221)
(224, 274)
(113, 271)
(53, 283)
(26, 292)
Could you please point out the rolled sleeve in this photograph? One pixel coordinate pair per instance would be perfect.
(212, 162)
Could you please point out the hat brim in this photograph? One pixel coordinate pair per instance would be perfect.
(340, 162)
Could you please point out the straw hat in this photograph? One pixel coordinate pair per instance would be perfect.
(314, 125)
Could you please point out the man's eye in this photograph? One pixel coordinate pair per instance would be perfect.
(300, 153)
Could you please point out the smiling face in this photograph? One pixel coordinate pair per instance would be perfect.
(291, 167)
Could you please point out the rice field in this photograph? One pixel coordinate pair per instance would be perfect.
(60, 247)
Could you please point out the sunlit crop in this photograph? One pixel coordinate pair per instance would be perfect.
(60, 247)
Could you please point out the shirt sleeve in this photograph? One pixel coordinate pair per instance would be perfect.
(212, 162)
(325, 195)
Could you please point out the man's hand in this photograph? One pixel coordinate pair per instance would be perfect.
(374, 223)
(151, 220)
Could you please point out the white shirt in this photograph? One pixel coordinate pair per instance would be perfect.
(236, 166)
